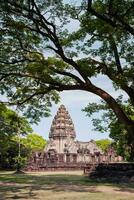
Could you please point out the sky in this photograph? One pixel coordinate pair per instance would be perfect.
(74, 102)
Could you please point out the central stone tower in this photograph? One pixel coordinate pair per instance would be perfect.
(62, 131)
(62, 150)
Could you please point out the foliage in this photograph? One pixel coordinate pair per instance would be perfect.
(9, 158)
(33, 142)
(103, 144)
(108, 122)
(10, 122)
(11, 126)
(40, 54)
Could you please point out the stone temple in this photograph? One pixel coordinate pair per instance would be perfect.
(63, 151)
(62, 140)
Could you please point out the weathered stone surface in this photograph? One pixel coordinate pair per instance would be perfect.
(111, 171)
(62, 137)
(62, 125)
(63, 151)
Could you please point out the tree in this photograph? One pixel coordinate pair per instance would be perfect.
(10, 121)
(108, 122)
(103, 144)
(29, 77)
(34, 142)
(11, 140)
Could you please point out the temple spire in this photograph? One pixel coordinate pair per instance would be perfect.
(62, 125)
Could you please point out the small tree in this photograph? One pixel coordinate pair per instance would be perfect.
(9, 144)
(103, 144)
(34, 142)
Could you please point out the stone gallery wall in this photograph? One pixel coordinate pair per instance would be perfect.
(52, 160)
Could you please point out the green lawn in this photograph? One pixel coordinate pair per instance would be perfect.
(60, 186)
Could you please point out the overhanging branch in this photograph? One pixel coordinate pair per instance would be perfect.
(108, 20)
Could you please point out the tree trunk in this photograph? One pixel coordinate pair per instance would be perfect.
(123, 119)
(120, 114)
(130, 141)
(130, 93)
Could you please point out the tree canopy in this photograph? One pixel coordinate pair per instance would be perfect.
(10, 122)
(34, 142)
(12, 126)
(15, 133)
(40, 54)
(103, 144)
(106, 121)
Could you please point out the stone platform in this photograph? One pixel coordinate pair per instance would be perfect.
(56, 167)
(111, 171)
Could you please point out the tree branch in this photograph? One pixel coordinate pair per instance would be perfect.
(4, 75)
(111, 102)
(15, 61)
(116, 55)
(123, 85)
(51, 35)
(52, 83)
(108, 19)
(43, 18)
(89, 5)
(69, 75)
(35, 94)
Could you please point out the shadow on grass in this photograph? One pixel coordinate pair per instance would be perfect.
(129, 190)
(16, 192)
(24, 186)
(17, 186)
(45, 179)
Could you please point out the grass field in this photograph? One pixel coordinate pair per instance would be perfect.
(60, 186)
